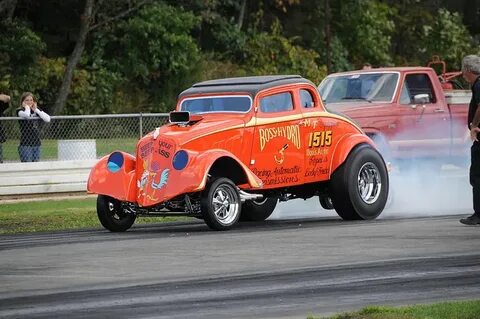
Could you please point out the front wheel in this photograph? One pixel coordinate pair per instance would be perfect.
(111, 214)
(220, 204)
(360, 185)
(258, 210)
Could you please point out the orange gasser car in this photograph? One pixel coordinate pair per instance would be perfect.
(235, 147)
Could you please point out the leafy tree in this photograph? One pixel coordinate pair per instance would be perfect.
(408, 41)
(426, 28)
(158, 42)
(448, 38)
(153, 49)
(86, 26)
(271, 53)
(339, 56)
(74, 57)
(137, 55)
(344, 33)
(96, 91)
(20, 53)
(365, 27)
(221, 27)
(7, 8)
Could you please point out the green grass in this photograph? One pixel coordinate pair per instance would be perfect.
(52, 215)
(49, 148)
(444, 310)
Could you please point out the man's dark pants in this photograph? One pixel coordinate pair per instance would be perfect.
(475, 176)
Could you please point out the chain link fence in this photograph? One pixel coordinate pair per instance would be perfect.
(76, 137)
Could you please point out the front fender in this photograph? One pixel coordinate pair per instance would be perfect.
(205, 161)
(114, 175)
(170, 181)
(344, 147)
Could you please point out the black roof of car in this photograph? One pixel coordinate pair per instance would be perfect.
(248, 84)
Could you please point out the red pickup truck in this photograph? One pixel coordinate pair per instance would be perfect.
(410, 112)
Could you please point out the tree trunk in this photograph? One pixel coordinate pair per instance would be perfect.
(7, 8)
(241, 15)
(74, 58)
(85, 27)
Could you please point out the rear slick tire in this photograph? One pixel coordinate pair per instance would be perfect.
(360, 185)
(257, 211)
(111, 214)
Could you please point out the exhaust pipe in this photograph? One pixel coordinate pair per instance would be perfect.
(244, 196)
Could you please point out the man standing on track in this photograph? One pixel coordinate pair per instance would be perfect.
(471, 73)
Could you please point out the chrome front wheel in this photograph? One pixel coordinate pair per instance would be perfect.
(224, 205)
(221, 204)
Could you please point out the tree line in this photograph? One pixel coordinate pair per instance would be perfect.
(121, 56)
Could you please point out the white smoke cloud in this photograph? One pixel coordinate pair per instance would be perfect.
(430, 187)
(424, 190)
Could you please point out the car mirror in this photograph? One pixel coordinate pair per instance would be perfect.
(421, 98)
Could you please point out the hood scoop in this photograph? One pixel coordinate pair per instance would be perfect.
(183, 118)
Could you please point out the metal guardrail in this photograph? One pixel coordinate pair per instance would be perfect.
(80, 137)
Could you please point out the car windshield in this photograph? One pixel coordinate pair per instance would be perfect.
(216, 104)
(371, 87)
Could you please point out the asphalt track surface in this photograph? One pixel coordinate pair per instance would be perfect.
(281, 268)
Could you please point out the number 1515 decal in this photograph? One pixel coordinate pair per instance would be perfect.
(320, 139)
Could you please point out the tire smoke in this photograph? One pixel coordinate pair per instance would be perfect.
(423, 189)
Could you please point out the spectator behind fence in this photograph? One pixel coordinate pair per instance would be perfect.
(4, 100)
(29, 148)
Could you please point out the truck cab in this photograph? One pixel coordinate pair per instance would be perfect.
(404, 109)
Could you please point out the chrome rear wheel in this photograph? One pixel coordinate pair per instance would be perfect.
(369, 183)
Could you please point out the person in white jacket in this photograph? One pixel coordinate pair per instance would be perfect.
(30, 114)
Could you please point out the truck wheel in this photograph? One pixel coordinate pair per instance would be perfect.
(220, 204)
(360, 185)
(258, 210)
(111, 214)
(326, 202)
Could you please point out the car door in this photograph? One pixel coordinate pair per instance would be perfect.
(277, 156)
(318, 135)
(424, 129)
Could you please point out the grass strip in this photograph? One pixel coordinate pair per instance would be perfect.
(54, 215)
(444, 310)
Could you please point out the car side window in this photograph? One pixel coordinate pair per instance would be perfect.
(279, 102)
(419, 84)
(306, 99)
(405, 95)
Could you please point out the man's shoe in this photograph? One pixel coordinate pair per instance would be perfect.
(471, 220)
